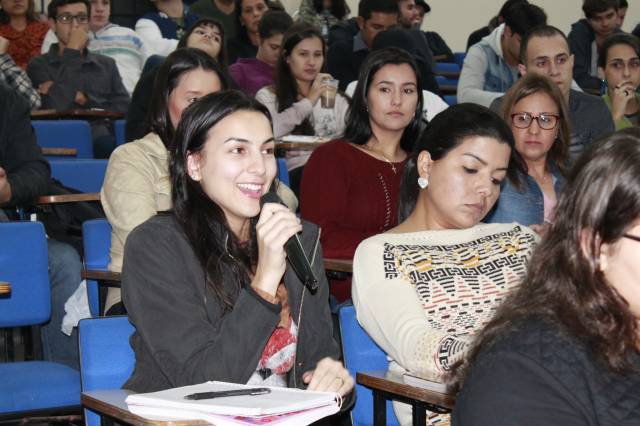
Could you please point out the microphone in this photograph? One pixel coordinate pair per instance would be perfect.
(295, 254)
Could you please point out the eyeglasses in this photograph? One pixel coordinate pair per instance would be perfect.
(67, 18)
(631, 237)
(523, 120)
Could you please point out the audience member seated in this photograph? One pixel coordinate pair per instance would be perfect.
(530, 196)
(586, 37)
(424, 287)
(545, 51)
(216, 266)
(294, 99)
(122, 44)
(137, 185)
(222, 11)
(439, 48)
(350, 186)
(245, 43)
(490, 67)
(20, 25)
(70, 77)
(252, 74)
(323, 14)
(432, 104)
(207, 35)
(563, 349)
(25, 175)
(494, 22)
(623, 6)
(346, 56)
(619, 61)
(161, 30)
(15, 77)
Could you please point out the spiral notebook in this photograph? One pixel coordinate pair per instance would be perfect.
(282, 406)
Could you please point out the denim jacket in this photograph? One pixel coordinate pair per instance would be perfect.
(525, 206)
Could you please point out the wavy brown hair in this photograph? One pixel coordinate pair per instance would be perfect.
(31, 14)
(564, 283)
(530, 84)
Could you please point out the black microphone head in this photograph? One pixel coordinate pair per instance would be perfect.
(270, 197)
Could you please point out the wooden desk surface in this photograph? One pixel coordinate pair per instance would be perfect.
(87, 114)
(68, 198)
(5, 288)
(100, 275)
(111, 403)
(62, 152)
(448, 89)
(338, 265)
(394, 384)
(303, 146)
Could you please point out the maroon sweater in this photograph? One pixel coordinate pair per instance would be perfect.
(350, 195)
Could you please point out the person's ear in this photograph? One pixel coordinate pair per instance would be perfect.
(507, 31)
(193, 166)
(522, 69)
(52, 24)
(601, 74)
(593, 250)
(360, 22)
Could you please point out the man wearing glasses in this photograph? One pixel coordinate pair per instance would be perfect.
(71, 77)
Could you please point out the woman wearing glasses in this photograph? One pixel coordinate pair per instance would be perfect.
(535, 110)
(564, 349)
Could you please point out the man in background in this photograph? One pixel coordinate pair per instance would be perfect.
(120, 43)
(491, 66)
(71, 77)
(545, 51)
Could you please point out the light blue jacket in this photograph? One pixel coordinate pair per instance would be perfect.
(525, 206)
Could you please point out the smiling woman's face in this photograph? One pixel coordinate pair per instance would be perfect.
(465, 184)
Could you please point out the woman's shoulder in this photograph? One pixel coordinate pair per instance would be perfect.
(266, 93)
(159, 231)
(149, 146)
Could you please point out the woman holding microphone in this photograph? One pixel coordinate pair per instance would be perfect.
(207, 285)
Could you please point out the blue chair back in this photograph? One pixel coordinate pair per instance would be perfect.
(459, 57)
(448, 67)
(30, 386)
(24, 264)
(85, 175)
(106, 358)
(96, 241)
(283, 173)
(450, 99)
(65, 134)
(443, 81)
(118, 129)
(362, 354)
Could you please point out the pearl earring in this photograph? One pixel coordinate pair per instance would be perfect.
(423, 182)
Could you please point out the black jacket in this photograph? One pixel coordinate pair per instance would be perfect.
(181, 337)
(27, 171)
(539, 375)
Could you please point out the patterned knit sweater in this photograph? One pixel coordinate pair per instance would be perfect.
(422, 295)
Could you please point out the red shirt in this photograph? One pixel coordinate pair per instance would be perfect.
(24, 45)
(350, 195)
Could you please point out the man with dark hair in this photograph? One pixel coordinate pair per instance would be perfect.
(623, 5)
(221, 10)
(586, 36)
(439, 48)
(345, 56)
(545, 51)
(490, 67)
(252, 74)
(71, 77)
(480, 33)
(25, 175)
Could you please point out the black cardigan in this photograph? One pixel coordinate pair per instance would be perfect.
(182, 339)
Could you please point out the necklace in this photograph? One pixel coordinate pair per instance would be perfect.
(393, 167)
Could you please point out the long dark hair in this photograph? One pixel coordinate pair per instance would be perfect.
(227, 262)
(358, 130)
(558, 154)
(338, 7)
(285, 85)
(31, 14)
(564, 283)
(445, 132)
(209, 22)
(172, 69)
(241, 30)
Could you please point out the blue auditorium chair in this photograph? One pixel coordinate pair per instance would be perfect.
(65, 134)
(106, 358)
(96, 241)
(30, 388)
(85, 175)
